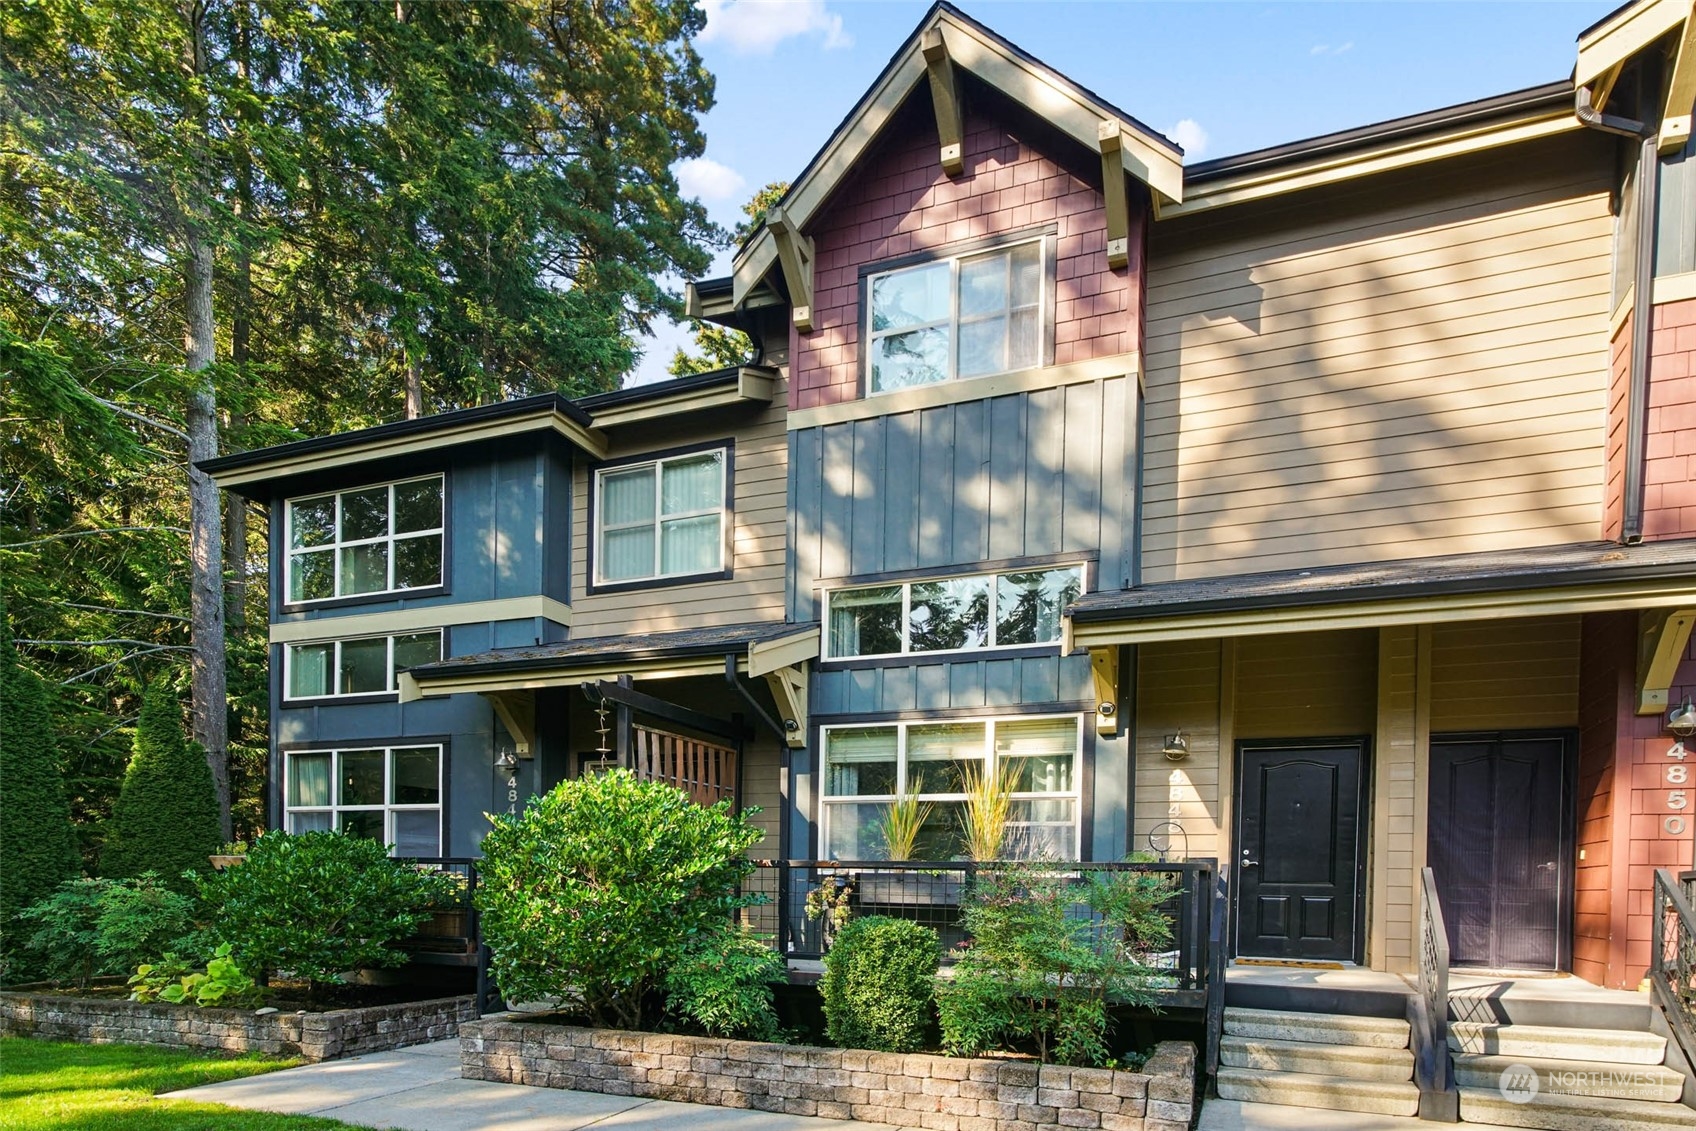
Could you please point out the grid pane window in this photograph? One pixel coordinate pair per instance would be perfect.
(661, 519)
(365, 666)
(965, 317)
(867, 768)
(349, 544)
(388, 794)
(951, 614)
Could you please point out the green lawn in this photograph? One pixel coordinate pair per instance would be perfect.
(49, 1086)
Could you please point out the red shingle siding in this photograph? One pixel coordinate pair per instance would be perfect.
(899, 202)
(1669, 472)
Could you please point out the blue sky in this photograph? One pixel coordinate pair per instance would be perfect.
(1220, 78)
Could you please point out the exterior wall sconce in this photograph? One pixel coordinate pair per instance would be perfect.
(1681, 720)
(506, 762)
(1176, 746)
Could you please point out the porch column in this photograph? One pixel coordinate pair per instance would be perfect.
(1400, 789)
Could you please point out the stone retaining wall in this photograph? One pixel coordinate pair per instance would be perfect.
(913, 1090)
(310, 1036)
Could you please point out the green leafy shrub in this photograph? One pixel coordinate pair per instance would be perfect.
(37, 840)
(153, 978)
(1050, 952)
(722, 983)
(591, 894)
(92, 927)
(166, 816)
(317, 905)
(879, 984)
(223, 984)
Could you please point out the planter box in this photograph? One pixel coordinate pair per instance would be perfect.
(938, 1093)
(310, 1036)
(907, 889)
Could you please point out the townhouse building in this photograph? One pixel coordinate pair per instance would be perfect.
(1328, 510)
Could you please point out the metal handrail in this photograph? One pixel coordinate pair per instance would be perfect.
(1672, 962)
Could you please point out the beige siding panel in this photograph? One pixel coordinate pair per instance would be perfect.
(1505, 675)
(1178, 690)
(1306, 685)
(1399, 751)
(1386, 372)
(755, 592)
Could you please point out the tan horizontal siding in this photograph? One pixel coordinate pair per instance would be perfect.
(1397, 370)
(1505, 675)
(758, 540)
(1178, 690)
(1306, 685)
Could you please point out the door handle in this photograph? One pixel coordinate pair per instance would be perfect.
(1549, 867)
(1251, 863)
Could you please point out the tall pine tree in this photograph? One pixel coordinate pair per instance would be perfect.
(166, 818)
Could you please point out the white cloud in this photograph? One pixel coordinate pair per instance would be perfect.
(709, 180)
(756, 27)
(1328, 49)
(1189, 134)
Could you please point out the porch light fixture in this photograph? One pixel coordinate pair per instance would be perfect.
(1176, 746)
(1681, 720)
(506, 762)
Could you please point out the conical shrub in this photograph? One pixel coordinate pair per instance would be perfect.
(166, 817)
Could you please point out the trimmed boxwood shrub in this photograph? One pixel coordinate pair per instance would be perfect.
(879, 984)
(599, 888)
(166, 816)
(317, 905)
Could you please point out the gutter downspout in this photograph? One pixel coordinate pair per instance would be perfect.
(1643, 305)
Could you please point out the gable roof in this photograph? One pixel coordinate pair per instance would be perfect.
(1148, 156)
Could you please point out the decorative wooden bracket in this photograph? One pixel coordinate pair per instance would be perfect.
(945, 96)
(1663, 638)
(1104, 667)
(795, 253)
(1681, 91)
(789, 691)
(517, 711)
(1113, 194)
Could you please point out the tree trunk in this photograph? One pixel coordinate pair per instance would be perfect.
(414, 386)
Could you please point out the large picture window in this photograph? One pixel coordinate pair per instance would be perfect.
(377, 539)
(661, 519)
(964, 317)
(364, 666)
(391, 794)
(867, 767)
(992, 610)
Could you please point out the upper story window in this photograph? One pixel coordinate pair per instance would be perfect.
(990, 610)
(964, 317)
(662, 519)
(391, 794)
(376, 539)
(364, 666)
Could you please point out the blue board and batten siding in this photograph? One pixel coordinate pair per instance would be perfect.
(508, 535)
(1042, 476)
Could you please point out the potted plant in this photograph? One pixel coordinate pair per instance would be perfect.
(900, 827)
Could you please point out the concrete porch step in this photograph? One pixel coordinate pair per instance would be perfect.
(1334, 1093)
(1357, 1062)
(1604, 1079)
(1317, 1028)
(1573, 1113)
(1542, 1042)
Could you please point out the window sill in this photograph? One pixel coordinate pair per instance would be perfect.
(608, 587)
(387, 596)
(956, 656)
(337, 700)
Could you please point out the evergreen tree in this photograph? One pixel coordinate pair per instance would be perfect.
(37, 845)
(166, 817)
(720, 347)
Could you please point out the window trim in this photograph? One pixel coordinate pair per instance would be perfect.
(287, 603)
(906, 584)
(826, 801)
(352, 696)
(388, 747)
(727, 511)
(1046, 236)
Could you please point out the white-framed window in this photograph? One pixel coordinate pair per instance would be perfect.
(866, 767)
(391, 794)
(967, 316)
(365, 665)
(660, 519)
(987, 610)
(377, 539)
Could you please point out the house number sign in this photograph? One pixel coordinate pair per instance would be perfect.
(1678, 774)
(512, 795)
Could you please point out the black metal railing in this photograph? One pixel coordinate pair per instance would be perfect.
(1672, 960)
(931, 893)
(453, 936)
(1428, 1010)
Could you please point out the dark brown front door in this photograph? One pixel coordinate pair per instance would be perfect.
(1299, 865)
(1500, 847)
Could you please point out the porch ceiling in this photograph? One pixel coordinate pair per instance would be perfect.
(1532, 581)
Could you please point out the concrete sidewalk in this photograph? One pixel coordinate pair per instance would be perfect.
(419, 1089)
